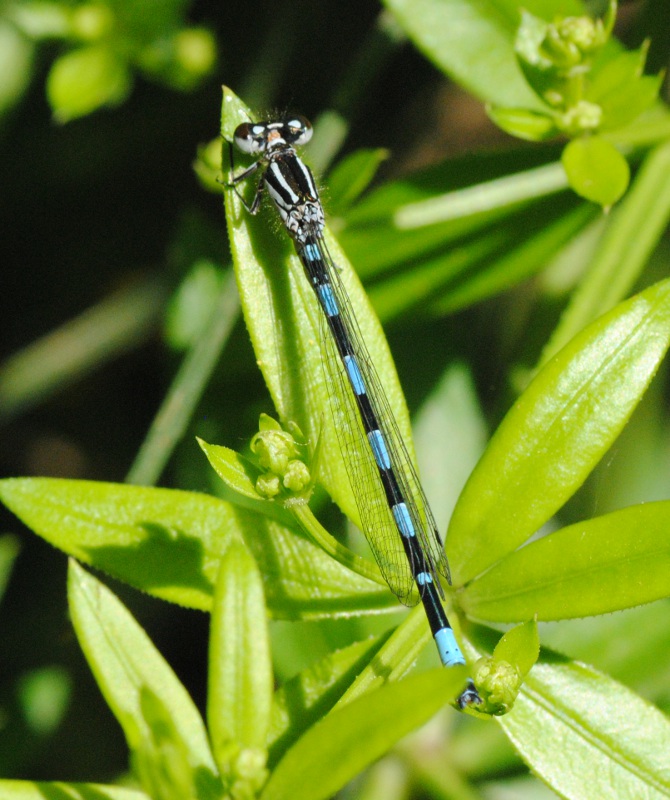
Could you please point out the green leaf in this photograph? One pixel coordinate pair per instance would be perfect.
(237, 472)
(273, 287)
(525, 255)
(430, 280)
(537, 68)
(9, 550)
(310, 695)
(596, 169)
(17, 52)
(162, 761)
(594, 567)
(451, 433)
(351, 177)
(44, 695)
(156, 713)
(169, 543)
(621, 90)
(473, 43)
(589, 737)
(240, 681)
(445, 207)
(395, 658)
(519, 646)
(193, 303)
(630, 102)
(557, 431)
(614, 74)
(534, 126)
(84, 79)
(633, 230)
(644, 633)
(336, 749)
(434, 253)
(55, 790)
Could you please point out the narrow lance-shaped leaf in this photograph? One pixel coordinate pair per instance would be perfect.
(158, 717)
(169, 543)
(510, 265)
(589, 737)
(632, 231)
(336, 749)
(306, 698)
(351, 177)
(473, 42)
(616, 561)
(237, 472)
(240, 666)
(395, 658)
(43, 790)
(557, 431)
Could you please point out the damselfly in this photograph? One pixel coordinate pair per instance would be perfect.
(393, 508)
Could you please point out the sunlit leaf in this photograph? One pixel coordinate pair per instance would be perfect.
(474, 42)
(596, 169)
(85, 79)
(240, 679)
(519, 646)
(307, 697)
(159, 719)
(557, 431)
(589, 737)
(597, 566)
(237, 472)
(338, 747)
(43, 790)
(169, 543)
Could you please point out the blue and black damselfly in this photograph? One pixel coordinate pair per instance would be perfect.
(393, 508)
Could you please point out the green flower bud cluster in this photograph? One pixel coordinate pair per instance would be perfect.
(586, 86)
(278, 454)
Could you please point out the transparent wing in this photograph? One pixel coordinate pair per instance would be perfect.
(378, 523)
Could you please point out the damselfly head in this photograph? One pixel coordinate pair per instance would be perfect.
(256, 138)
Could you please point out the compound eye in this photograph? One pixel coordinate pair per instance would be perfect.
(301, 130)
(249, 137)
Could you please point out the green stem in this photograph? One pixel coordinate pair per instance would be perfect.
(499, 193)
(632, 233)
(115, 325)
(173, 416)
(361, 566)
(395, 658)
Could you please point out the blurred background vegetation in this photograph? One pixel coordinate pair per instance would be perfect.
(114, 258)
